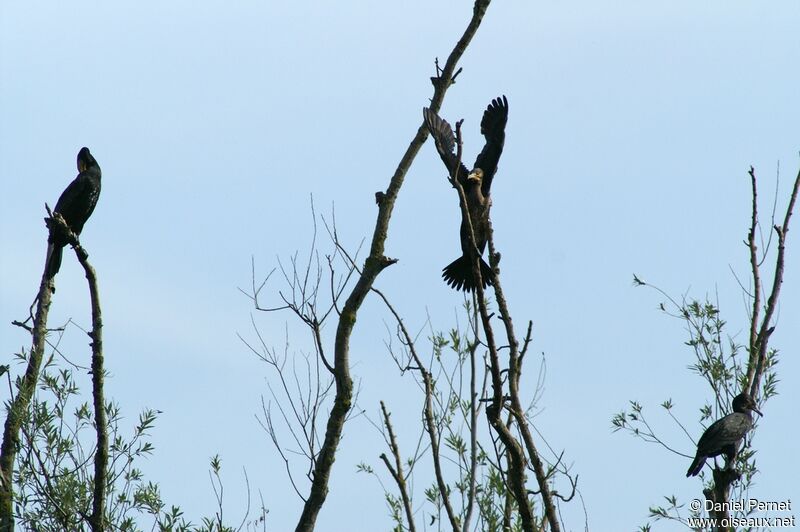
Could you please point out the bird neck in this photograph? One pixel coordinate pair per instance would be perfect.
(474, 193)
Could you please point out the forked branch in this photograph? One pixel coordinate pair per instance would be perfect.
(759, 343)
(374, 264)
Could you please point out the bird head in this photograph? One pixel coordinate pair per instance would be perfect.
(743, 402)
(476, 176)
(85, 159)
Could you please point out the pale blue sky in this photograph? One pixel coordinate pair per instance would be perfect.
(632, 126)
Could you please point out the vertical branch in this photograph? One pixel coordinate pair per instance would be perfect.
(373, 266)
(720, 492)
(18, 406)
(514, 374)
(751, 244)
(516, 456)
(473, 428)
(397, 470)
(97, 519)
(433, 435)
(760, 331)
(508, 496)
(755, 371)
(428, 412)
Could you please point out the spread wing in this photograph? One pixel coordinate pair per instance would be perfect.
(493, 127)
(445, 142)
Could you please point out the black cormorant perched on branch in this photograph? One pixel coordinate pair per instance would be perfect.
(75, 205)
(477, 185)
(724, 436)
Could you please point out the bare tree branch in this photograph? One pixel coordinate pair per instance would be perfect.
(516, 457)
(18, 408)
(100, 489)
(374, 264)
(759, 349)
(430, 425)
(397, 470)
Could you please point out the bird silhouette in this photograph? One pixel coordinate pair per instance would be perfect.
(75, 205)
(725, 435)
(476, 184)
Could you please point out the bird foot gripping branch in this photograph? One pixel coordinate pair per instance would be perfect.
(58, 225)
(438, 80)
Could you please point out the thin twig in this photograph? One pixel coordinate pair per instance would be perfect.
(430, 425)
(766, 329)
(397, 470)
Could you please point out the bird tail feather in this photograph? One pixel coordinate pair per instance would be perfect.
(458, 274)
(697, 465)
(54, 254)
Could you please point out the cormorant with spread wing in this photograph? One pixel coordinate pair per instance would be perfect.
(477, 186)
(724, 436)
(75, 205)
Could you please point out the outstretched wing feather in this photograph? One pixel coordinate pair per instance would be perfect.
(493, 128)
(445, 142)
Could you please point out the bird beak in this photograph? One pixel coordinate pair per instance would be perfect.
(757, 411)
(474, 177)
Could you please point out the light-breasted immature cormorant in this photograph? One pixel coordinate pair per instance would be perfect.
(75, 205)
(477, 186)
(724, 436)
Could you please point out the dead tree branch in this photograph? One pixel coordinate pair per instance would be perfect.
(514, 374)
(516, 456)
(374, 264)
(18, 407)
(759, 343)
(27, 386)
(761, 328)
(428, 412)
(97, 519)
(397, 470)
